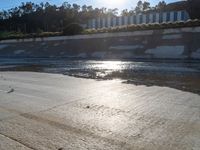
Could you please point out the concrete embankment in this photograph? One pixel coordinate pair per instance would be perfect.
(179, 43)
(49, 111)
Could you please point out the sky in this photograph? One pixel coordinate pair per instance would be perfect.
(120, 4)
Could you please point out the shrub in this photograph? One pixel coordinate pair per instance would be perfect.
(38, 31)
(150, 26)
(181, 23)
(72, 29)
(195, 22)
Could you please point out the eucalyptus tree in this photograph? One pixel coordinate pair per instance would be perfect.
(161, 5)
(194, 8)
(146, 6)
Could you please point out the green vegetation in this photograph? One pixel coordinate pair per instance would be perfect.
(19, 35)
(33, 18)
(72, 29)
(30, 20)
(9, 35)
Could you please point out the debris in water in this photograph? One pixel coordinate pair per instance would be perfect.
(2, 77)
(11, 90)
(88, 107)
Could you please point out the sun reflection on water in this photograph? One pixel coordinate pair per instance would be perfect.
(109, 65)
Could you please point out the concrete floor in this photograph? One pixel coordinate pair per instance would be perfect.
(49, 111)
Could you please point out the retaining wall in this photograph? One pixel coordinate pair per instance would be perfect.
(181, 43)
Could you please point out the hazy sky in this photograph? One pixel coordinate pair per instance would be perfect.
(121, 4)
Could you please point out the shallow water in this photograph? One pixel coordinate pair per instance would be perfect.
(179, 75)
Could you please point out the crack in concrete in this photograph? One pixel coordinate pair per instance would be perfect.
(20, 142)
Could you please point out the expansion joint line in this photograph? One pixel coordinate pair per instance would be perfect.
(20, 142)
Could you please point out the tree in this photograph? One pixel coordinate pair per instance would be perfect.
(139, 7)
(112, 12)
(146, 6)
(161, 5)
(1, 15)
(193, 8)
(72, 29)
(125, 12)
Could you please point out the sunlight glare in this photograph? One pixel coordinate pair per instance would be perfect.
(113, 3)
(110, 65)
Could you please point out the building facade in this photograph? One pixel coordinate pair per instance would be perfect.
(156, 17)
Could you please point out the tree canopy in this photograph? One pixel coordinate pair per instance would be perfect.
(31, 18)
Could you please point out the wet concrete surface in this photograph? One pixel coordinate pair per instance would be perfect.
(52, 111)
(182, 75)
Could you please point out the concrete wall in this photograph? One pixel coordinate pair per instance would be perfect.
(138, 19)
(181, 43)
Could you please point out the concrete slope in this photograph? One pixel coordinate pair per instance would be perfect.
(169, 44)
(49, 111)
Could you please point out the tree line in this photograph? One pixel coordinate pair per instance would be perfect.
(44, 17)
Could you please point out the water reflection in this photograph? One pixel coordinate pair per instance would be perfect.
(109, 65)
(183, 76)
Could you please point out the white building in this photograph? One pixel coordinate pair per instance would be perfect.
(155, 17)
